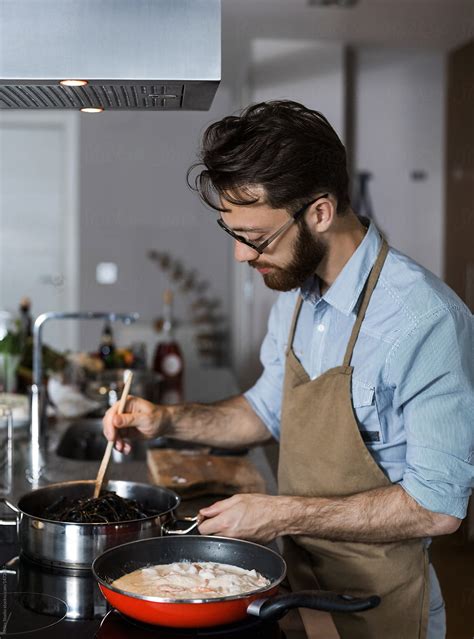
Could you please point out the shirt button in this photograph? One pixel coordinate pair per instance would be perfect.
(321, 328)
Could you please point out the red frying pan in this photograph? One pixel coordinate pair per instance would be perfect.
(198, 613)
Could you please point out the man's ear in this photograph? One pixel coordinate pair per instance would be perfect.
(321, 214)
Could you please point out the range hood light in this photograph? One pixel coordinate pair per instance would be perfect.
(153, 55)
(91, 110)
(345, 4)
(73, 83)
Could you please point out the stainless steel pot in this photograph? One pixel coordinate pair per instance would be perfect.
(75, 546)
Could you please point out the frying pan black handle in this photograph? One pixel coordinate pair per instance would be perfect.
(276, 607)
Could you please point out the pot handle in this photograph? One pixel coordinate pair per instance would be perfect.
(10, 568)
(170, 530)
(9, 522)
(276, 607)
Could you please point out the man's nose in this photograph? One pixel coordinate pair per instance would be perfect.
(244, 253)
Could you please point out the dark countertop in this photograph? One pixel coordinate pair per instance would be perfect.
(60, 469)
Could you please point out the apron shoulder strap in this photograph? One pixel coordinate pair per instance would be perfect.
(296, 313)
(367, 294)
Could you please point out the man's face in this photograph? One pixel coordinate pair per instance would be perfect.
(290, 259)
(307, 253)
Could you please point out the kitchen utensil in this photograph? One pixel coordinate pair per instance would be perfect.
(110, 444)
(74, 546)
(196, 613)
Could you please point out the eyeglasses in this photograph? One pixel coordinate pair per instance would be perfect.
(261, 247)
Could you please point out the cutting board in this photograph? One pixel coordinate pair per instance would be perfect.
(193, 473)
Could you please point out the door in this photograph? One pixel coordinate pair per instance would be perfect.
(459, 221)
(38, 221)
(453, 556)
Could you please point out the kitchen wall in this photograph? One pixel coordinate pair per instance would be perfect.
(133, 198)
(399, 133)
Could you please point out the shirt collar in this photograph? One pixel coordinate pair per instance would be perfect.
(346, 289)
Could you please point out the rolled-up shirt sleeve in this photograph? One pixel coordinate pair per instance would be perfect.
(266, 395)
(431, 369)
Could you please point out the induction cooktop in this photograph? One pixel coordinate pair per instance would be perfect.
(41, 603)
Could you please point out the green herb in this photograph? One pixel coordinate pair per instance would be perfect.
(53, 361)
(11, 344)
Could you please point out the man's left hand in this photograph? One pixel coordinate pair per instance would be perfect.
(245, 516)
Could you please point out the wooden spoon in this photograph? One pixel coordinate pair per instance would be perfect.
(108, 451)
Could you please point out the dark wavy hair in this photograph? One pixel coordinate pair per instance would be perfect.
(289, 150)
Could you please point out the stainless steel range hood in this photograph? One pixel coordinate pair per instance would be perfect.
(152, 55)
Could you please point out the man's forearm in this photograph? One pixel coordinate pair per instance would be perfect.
(384, 514)
(231, 423)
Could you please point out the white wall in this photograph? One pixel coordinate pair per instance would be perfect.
(399, 125)
(133, 198)
(306, 71)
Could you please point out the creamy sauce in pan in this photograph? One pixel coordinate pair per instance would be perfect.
(191, 580)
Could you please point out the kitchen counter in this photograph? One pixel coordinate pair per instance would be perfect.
(59, 469)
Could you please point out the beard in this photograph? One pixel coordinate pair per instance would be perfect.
(308, 254)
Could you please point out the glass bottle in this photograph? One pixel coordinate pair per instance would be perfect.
(26, 321)
(168, 360)
(107, 346)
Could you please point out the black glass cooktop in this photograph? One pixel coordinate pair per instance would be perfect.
(40, 603)
(115, 626)
(39, 616)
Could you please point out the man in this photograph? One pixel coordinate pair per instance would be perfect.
(367, 383)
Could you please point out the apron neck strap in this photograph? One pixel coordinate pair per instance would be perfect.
(367, 294)
(293, 324)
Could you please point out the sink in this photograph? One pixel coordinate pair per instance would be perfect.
(84, 440)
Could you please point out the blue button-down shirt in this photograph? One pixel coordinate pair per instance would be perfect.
(413, 380)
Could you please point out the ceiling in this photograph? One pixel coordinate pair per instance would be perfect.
(433, 24)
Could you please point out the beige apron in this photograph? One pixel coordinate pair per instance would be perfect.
(322, 454)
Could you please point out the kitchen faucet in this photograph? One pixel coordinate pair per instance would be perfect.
(38, 424)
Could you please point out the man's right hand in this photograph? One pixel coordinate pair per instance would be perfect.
(140, 419)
